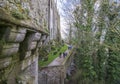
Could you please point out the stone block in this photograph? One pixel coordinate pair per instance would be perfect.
(11, 37)
(9, 49)
(37, 37)
(21, 30)
(5, 62)
(19, 37)
(11, 45)
(27, 54)
(34, 58)
(33, 45)
(15, 29)
(15, 34)
(39, 44)
(3, 3)
(28, 61)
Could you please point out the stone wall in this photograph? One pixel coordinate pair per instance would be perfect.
(23, 30)
(51, 75)
(19, 47)
(32, 12)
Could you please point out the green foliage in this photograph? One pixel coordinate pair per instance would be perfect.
(52, 55)
(98, 63)
(102, 61)
(53, 47)
(113, 73)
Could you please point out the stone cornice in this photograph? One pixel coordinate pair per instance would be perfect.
(7, 18)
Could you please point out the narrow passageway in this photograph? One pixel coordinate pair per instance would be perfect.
(55, 72)
(60, 59)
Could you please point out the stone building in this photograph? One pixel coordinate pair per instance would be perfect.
(24, 28)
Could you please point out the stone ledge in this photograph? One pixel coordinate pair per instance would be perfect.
(33, 45)
(21, 30)
(9, 49)
(27, 54)
(37, 37)
(11, 45)
(12, 34)
(5, 17)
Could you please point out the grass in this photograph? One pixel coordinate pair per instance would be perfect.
(52, 56)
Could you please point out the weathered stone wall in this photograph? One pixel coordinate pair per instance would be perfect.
(19, 53)
(51, 75)
(23, 30)
(32, 12)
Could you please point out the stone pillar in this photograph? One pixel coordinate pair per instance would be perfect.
(18, 55)
(29, 74)
(29, 59)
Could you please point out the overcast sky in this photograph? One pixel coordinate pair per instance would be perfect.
(66, 4)
(59, 5)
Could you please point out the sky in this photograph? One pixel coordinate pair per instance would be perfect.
(67, 5)
(62, 21)
(64, 4)
(64, 26)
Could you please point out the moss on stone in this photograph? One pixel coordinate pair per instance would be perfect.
(6, 17)
(26, 11)
(18, 15)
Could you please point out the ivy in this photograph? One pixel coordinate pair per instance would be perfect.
(98, 63)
